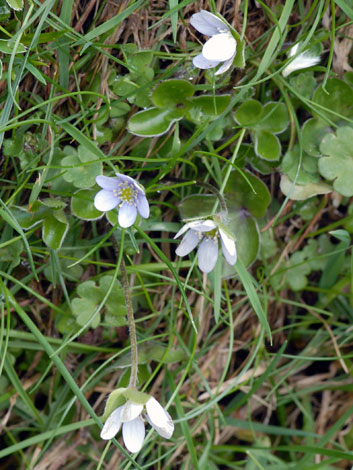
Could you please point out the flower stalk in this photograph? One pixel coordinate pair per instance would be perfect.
(130, 318)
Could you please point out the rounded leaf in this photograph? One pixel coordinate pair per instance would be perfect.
(337, 164)
(153, 121)
(248, 113)
(171, 93)
(300, 192)
(82, 205)
(337, 97)
(275, 117)
(267, 145)
(246, 191)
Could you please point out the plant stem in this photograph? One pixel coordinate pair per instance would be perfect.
(130, 315)
(132, 328)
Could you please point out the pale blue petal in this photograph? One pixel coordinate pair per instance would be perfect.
(228, 247)
(127, 179)
(107, 183)
(127, 215)
(183, 229)
(219, 48)
(188, 243)
(225, 66)
(207, 254)
(134, 434)
(143, 206)
(112, 425)
(207, 23)
(201, 63)
(105, 200)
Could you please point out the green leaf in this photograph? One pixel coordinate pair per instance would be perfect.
(15, 4)
(308, 172)
(6, 46)
(197, 206)
(172, 93)
(249, 113)
(136, 396)
(300, 192)
(115, 399)
(83, 173)
(247, 241)
(275, 118)
(154, 121)
(247, 192)
(337, 97)
(204, 108)
(54, 232)
(337, 164)
(84, 309)
(313, 132)
(267, 145)
(300, 268)
(82, 205)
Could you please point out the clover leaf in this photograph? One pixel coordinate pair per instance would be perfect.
(337, 162)
(81, 167)
(264, 123)
(336, 97)
(91, 295)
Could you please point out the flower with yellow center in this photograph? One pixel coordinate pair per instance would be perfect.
(207, 233)
(123, 192)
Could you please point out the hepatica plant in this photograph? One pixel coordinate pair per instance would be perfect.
(174, 100)
(207, 232)
(224, 44)
(123, 192)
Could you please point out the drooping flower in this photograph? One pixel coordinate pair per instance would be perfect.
(124, 192)
(207, 233)
(129, 417)
(221, 47)
(304, 60)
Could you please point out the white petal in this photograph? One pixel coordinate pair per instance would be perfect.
(201, 63)
(127, 215)
(188, 243)
(220, 47)
(105, 200)
(143, 206)
(202, 225)
(303, 61)
(225, 66)
(228, 247)
(207, 23)
(159, 418)
(112, 425)
(106, 182)
(183, 229)
(130, 411)
(208, 254)
(134, 434)
(198, 225)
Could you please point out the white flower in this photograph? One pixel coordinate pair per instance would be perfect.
(302, 61)
(124, 192)
(129, 417)
(207, 233)
(221, 47)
